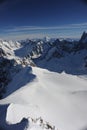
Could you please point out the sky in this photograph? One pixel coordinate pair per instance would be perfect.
(21, 19)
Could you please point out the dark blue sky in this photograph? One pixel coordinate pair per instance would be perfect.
(38, 18)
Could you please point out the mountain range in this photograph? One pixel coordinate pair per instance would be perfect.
(43, 84)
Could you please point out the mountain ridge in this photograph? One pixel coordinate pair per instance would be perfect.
(34, 71)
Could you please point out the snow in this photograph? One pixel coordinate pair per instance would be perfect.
(59, 99)
(71, 63)
(38, 99)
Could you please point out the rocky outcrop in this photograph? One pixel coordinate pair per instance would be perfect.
(8, 68)
(83, 38)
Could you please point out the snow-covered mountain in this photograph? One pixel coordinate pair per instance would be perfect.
(43, 84)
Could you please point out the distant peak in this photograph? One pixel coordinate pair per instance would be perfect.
(46, 39)
(84, 37)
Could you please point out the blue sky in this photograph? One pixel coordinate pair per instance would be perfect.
(21, 19)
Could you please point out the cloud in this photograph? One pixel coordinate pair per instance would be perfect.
(23, 32)
(39, 28)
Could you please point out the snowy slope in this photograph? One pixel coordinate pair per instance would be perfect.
(51, 98)
(73, 63)
(9, 47)
(58, 98)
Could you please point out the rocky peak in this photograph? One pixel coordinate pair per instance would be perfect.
(83, 38)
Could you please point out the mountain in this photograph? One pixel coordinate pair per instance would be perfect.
(83, 38)
(43, 84)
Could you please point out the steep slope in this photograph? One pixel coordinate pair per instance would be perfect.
(83, 38)
(57, 98)
(8, 47)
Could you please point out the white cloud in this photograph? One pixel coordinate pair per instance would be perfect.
(23, 32)
(31, 28)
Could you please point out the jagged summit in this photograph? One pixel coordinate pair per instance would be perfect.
(84, 37)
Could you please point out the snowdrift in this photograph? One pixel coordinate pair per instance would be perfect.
(57, 98)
